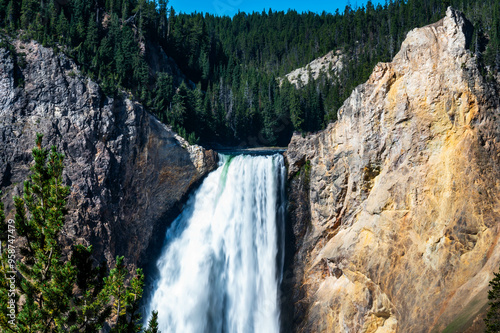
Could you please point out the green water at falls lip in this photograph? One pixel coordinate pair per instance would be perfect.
(222, 263)
(225, 161)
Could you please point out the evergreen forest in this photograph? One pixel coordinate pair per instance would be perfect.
(215, 79)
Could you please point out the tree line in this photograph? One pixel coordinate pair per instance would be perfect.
(231, 93)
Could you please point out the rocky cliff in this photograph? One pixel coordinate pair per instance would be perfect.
(128, 172)
(395, 207)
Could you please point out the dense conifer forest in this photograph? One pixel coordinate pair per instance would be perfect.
(230, 92)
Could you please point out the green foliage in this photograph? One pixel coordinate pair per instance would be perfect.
(246, 54)
(231, 94)
(91, 307)
(53, 293)
(296, 111)
(492, 319)
(3, 225)
(153, 323)
(125, 298)
(45, 280)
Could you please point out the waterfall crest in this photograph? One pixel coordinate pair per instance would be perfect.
(222, 262)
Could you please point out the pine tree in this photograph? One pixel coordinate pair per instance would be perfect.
(91, 306)
(92, 36)
(10, 15)
(296, 111)
(179, 111)
(3, 225)
(46, 280)
(62, 28)
(164, 93)
(153, 323)
(162, 13)
(53, 293)
(29, 8)
(125, 298)
(492, 319)
(5, 275)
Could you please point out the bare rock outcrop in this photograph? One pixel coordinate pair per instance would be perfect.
(330, 63)
(128, 172)
(400, 232)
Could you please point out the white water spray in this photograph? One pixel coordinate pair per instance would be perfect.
(222, 263)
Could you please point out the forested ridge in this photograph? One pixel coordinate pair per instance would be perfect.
(231, 94)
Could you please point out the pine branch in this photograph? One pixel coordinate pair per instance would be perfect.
(48, 265)
(130, 19)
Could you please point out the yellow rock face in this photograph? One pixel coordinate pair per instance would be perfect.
(403, 195)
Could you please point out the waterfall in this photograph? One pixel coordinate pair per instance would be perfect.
(222, 262)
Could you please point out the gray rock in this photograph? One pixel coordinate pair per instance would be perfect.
(128, 173)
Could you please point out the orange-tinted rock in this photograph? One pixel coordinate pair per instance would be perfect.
(403, 195)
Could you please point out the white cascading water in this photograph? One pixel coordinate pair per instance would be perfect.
(222, 263)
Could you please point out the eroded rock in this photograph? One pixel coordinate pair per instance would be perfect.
(329, 64)
(128, 172)
(403, 195)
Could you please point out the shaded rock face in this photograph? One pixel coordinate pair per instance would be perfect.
(128, 172)
(403, 196)
(161, 63)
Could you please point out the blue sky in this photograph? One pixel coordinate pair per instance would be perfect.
(231, 7)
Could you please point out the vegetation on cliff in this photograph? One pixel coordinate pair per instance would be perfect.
(231, 93)
(492, 319)
(43, 289)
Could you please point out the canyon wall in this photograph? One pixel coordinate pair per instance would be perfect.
(395, 207)
(128, 173)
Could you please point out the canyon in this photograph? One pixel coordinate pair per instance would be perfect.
(393, 209)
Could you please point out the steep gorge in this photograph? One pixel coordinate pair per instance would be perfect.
(395, 207)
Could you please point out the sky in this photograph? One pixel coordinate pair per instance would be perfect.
(231, 7)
